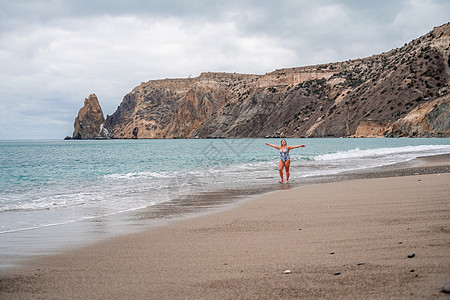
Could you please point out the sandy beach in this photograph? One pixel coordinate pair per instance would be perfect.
(369, 238)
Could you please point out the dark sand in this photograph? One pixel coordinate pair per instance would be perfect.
(313, 231)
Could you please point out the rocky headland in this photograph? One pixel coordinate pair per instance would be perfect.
(400, 93)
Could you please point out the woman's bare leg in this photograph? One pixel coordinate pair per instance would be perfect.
(287, 164)
(280, 168)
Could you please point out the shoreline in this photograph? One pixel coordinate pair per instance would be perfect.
(186, 207)
(21, 246)
(37, 278)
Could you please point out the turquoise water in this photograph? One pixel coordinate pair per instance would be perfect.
(88, 179)
(47, 183)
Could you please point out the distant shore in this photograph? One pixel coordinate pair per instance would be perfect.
(375, 234)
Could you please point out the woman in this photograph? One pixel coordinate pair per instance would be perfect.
(285, 160)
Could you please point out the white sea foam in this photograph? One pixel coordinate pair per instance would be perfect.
(105, 194)
(138, 175)
(383, 152)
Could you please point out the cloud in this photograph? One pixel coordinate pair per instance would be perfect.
(58, 65)
(55, 53)
(418, 15)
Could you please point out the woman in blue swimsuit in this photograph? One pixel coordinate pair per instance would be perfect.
(285, 160)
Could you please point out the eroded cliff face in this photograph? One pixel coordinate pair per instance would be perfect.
(90, 122)
(147, 111)
(403, 92)
(431, 119)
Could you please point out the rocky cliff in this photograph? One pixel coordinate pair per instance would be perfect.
(403, 92)
(90, 122)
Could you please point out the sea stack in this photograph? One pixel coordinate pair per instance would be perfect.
(90, 122)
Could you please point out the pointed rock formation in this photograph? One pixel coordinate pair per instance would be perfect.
(90, 122)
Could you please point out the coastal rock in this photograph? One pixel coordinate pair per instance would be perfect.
(148, 109)
(400, 93)
(90, 122)
(431, 119)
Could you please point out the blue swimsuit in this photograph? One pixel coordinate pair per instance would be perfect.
(284, 155)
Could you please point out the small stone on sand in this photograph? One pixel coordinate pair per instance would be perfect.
(411, 255)
(287, 272)
(331, 253)
(337, 273)
(446, 289)
(361, 263)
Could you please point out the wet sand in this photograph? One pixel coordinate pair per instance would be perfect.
(361, 229)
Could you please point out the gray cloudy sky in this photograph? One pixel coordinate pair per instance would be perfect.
(54, 53)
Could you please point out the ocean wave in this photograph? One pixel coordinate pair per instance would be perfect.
(138, 175)
(108, 195)
(383, 152)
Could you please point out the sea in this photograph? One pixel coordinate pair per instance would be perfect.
(57, 194)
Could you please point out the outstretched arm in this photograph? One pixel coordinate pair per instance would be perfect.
(276, 147)
(293, 147)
